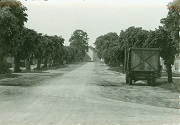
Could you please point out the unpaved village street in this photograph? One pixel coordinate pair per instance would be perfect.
(88, 95)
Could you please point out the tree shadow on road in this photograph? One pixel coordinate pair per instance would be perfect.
(109, 84)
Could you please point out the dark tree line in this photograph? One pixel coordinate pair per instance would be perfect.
(27, 44)
(111, 47)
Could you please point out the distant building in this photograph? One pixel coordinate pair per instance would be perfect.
(91, 55)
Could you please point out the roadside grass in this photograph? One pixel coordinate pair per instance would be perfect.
(41, 70)
(121, 70)
(160, 82)
(32, 71)
(117, 69)
(109, 84)
(8, 75)
(34, 77)
(174, 87)
(49, 68)
(28, 79)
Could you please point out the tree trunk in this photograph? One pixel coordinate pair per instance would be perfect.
(38, 64)
(169, 72)
(61, 61)
(50, 63)
(1, 63)
(17, 63)
(28, 64)
(3, 68)
(1, 60)
(45, 63)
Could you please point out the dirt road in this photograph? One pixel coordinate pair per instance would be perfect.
(83, 97)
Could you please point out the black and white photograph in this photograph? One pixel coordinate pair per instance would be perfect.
(89, 62)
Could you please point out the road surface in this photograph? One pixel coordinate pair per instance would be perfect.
(74, 98)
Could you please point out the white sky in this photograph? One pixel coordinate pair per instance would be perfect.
(96, 17)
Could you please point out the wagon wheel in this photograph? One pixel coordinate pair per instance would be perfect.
(130, 80)
(127, 78)
(153, 81)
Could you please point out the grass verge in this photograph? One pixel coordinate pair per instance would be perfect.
(161, 82)
(174, 87)
(34, 77)
(8, 75)
(117, 69)
(28, 79)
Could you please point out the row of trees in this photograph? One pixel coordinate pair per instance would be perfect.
(111, 47)
(26, 44)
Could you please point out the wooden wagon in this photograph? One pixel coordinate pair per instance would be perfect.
(142, 64)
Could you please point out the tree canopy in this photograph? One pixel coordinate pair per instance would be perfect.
(26, 44)
(12, 18)
(109, 49)
(79, 39)
(172, 22)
